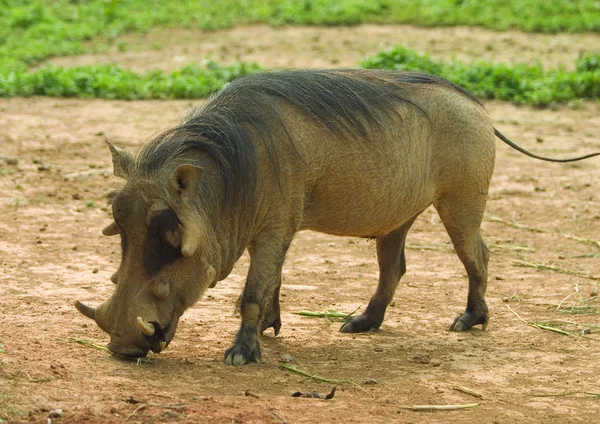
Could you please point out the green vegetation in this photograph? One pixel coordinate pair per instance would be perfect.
(521, 84)
(33, 30)
(114, 82)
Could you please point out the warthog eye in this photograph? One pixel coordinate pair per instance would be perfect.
(163, 243)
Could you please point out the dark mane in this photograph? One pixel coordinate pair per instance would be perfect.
(229, 127)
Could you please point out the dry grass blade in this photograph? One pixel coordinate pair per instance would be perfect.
(439, 407)
(541, 326)
(545, 326)
(327, 313)
(88, 343)
(597, 395)
(583, 240)
(515, 224)
(543, 266)
(295, 369)
(468, 391)
(493, 218)
(449, 248)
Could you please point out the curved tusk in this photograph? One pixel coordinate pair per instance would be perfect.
(147, 328)
(163, 345)
(88, 311)
(111, 230)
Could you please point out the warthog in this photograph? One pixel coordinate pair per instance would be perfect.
(345, 152)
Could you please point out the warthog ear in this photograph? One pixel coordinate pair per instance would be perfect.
(185, 180)
(122, 160)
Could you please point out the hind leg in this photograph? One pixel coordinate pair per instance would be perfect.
(392, 266)
(462, 218)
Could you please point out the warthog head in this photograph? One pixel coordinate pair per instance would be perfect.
(162, 270)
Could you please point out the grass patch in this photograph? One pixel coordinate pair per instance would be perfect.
(114, 82)
(34, 30)
(519, 83)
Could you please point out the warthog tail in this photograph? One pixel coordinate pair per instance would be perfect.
(533, 155)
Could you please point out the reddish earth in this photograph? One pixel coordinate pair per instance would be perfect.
(53, 204)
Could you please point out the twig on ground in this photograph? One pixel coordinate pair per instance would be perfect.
(295, 369)
(542, 230)
(564, 394)
(149, 404)
(136, 410)
(283, 420)
(575, 292)
(468, 391)
(88, 343)
(450, 248)
(439, 407)
(515, 224)
(327, 313)
(541, 326)
(249, 393)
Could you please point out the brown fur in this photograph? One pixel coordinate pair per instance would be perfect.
(351, 153)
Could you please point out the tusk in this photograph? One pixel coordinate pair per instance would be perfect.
(147, 328)
(163, 345)
(111, 230)
(88, 311)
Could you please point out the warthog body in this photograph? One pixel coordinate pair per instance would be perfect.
(344, 152)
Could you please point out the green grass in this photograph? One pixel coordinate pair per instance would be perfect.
(114, 82)
(520, 83)
(33, 30)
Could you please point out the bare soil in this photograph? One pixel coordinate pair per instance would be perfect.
(53, 204)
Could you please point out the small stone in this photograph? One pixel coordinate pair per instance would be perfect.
(378, 349)
(435, 363)
(370, 381)
(76, 196)
(539, 139)
(499, 277)
(538, 188)
(287, 358)
(44, 167)
(36, 160)
(11, 161)
(55, 414)
(95, 271)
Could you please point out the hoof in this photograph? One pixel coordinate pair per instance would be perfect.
(360, 324)
(241, 355)
(467, 320)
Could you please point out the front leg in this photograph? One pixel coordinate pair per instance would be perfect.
(260, 300)
(246, 348)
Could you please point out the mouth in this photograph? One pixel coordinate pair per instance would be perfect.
(158, 341)
(128, 351)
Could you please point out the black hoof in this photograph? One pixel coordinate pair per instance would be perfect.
(361, 324)
(245, 349)
(467, 320)
(240, 355)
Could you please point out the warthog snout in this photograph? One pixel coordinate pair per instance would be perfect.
(147, 335)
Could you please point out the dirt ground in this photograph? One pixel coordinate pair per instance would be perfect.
(53, 205)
